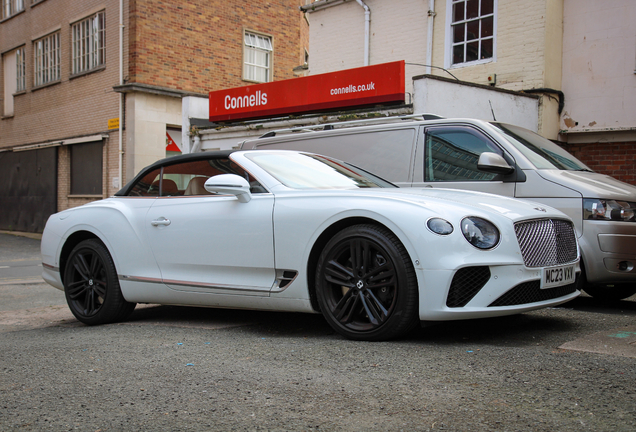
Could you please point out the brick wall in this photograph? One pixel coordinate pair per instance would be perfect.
(614, 159)
(198, 46)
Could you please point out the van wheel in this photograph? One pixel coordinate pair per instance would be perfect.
(610, 293)
(91, 285)
(366, 285)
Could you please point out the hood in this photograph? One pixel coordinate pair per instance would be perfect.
(512, 208)
(591, 185)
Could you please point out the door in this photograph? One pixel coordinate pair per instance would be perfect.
(450, 161)
(214, 243)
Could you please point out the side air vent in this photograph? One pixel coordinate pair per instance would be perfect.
(283, 279)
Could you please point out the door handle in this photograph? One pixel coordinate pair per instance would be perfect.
(161, 221)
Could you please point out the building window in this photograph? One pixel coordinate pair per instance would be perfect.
(89, 45)
(472, 31)
(86, 168)
(11, 7)
(47, 59)
(14, 80)
(20, 63)
(257, 58)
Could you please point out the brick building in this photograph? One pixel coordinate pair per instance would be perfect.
(70, 67)
(577, 56)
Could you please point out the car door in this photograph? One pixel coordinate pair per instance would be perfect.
(450, 160)
(212, 243)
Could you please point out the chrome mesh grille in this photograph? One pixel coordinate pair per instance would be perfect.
(546, 242)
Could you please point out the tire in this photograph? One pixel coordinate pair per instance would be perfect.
(366, 285)
(610, 293)
(91, 285)
(605, 293)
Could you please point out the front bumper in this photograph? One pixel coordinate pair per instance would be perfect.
(516, 286)
(609, 252)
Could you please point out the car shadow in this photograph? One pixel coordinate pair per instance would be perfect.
(515, 330)
(586, 303)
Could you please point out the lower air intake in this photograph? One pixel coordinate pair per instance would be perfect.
(531, 292)
(466, 284)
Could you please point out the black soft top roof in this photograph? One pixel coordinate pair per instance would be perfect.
(221, 154)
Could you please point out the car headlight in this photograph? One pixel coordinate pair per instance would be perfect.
(439, 226)
(480, 233)
(614, 210)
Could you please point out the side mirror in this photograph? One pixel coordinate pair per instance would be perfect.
(493, 163)
(229, 184)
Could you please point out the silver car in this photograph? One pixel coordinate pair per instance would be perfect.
(497, 158)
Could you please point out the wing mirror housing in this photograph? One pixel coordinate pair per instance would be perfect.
(493, 163)
(229, 184)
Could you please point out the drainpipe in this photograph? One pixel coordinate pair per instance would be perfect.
(429, 38)
(121, 95)
(367, 20)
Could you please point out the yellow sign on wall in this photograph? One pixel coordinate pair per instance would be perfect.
(113, 123)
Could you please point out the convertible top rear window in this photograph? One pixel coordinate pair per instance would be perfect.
(309, 171)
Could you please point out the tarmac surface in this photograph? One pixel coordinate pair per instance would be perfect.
(170, 368)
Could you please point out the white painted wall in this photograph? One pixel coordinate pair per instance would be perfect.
(147, 117)
(397, 32)
(451, 100)
(599, 63)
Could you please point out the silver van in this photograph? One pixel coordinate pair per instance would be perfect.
(496, 158)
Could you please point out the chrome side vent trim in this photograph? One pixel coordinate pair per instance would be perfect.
(284, 278)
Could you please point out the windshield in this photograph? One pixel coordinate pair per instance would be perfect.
(309, 171)
(543, 154)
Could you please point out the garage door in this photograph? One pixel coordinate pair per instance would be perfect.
(28, 189)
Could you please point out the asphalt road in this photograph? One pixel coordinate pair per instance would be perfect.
(170, 368)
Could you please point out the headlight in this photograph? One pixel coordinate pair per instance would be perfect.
(480, 233)
(439, 226)
(602, 209)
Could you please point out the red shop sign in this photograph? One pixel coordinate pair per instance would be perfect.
(351, 88)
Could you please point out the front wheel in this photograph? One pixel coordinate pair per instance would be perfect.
(610, 293)
(366, 284)
(91, 285)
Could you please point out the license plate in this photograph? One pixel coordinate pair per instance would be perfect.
(557, 276)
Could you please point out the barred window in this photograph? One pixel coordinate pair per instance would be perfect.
(472, 30)
(20, 71)
(11, 7)
(257, 58)
(47, 59)
(89, 45)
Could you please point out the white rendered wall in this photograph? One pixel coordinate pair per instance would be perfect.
(599, 63)
(452, 100)
(147, 117)
(397, 32)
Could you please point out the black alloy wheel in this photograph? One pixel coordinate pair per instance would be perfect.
(91, 285)
(366, 284)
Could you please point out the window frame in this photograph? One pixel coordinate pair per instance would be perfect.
(88, 44)
(11, 8)
(51, 73)
(448, 58)
(20, 64)
(269, 52)
(431, 164)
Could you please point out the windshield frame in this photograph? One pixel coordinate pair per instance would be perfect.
(539, 151)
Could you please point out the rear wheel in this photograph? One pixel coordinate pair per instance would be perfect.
(366, 284)
(91, 285)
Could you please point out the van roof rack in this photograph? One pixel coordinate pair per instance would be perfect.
(351, 123)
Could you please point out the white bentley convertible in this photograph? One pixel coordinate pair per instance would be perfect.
(289, 231)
